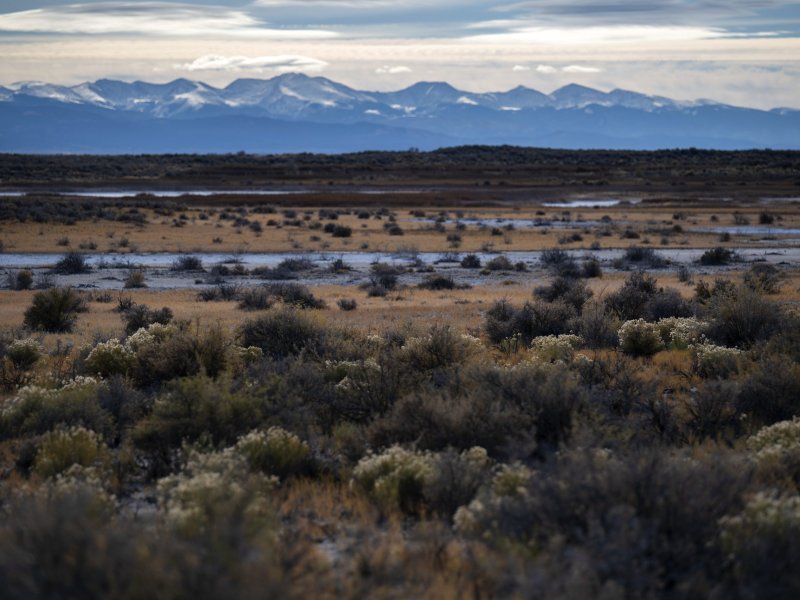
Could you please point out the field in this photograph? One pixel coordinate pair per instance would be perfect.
(474, 373)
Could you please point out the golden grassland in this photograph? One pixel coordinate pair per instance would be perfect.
(657, 226)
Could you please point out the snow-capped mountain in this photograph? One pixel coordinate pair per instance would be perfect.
(425, 114)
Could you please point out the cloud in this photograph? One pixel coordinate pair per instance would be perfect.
(580, 69)
(640, 11)
(520, 68)
(597, 35)
(388, 70)
(546, 69)
(147, 18)
(280, 62)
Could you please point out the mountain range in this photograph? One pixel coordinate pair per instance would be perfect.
(297, 113)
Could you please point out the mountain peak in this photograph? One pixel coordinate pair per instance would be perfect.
(575, 88)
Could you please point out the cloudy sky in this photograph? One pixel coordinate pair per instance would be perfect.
(744, 52)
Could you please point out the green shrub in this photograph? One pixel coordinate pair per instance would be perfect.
(441, 347)
(164, 353)
(553, 348)
(275, 452)
(396, 477)
(640, 338)
(717, 362)
(54, 310)
(110, 358)
(23, 354)
(191, 409)
(36, 410)
(60, 449)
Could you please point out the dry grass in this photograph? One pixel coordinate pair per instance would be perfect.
(653, 222)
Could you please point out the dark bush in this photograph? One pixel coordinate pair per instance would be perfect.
(187, 262)
(532, 320)
(438, 282)
(630, 301)
(54, 310)
(135, 279)
(296, 265)
(499, 263)
(565, 289)
(471, 261)
(596, 326)
(771, 392)
(764, 278)
(347, 304)
(639, 254)
(591, 268)
(141, 315)
(283, 332)
(257, 298)
(743, 317)
(23, 280)
(342, 231)
(295, 294)
(72, 263)
(717, 256)
(667, 303)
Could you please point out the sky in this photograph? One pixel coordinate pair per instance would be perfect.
(743, 52)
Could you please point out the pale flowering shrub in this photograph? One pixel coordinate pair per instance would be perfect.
(784, 435)
(552, 348)
(87, 487)
(396, 477)
(24, 354)
(640, 338)
(250, 354)
(713, 361)
(275, 451)
(36, 410)
(680, 332)
(507, 489)
(777, 451)
(149, 336)
(406, 479)
(766, 517)
(60, 449)
(110, 358)
(441, 347)
(216, 491)
(17, 360)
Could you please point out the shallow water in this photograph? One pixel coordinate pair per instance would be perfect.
(589, 203)
(364, 259)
